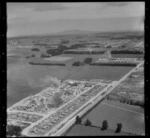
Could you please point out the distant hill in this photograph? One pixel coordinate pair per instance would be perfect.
(74, 32)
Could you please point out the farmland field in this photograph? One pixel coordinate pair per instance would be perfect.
(127, 55)
(58, 58)
(132, 122)
(81, 130)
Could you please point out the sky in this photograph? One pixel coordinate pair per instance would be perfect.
(46, 18)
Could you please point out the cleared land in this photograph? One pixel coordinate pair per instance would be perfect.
(58, 58)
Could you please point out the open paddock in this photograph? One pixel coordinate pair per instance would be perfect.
(82, 130)
(58, 58)
(132, 121)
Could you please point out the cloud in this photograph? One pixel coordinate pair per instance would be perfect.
(117, 3)
(47, 81)
(18, 19)
(38, 18)
(36, 6)
(50, 6)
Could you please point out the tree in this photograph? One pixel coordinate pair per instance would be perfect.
(35, 49)
(109, 46)
(13, 130)
(124, 46)
(87, 123)
(131, 102)
(88, 60)
(76, 63)
(130, 77)
(121, 100)
(104, 125)
(128, 101)
(57, 101)
(32, 55)
(78, 120)
(119, 127)
(143, 104)
(124, 100)
(54, 52)
(65, 41)
(44, 56)
(27, 56)
(108, 98)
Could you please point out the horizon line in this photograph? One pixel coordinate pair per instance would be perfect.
(56, 33)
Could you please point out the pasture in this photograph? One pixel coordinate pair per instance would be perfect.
(132, 121)
(58, 58)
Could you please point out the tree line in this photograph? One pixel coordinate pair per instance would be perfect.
(51, 64)
(129, 101)
(86, 61)
(104, 124)
(126, 52)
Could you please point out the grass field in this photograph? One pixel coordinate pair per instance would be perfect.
(81, 130)
(125, 106)
(58, 58)
(132, 122)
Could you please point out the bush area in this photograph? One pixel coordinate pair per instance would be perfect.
(56, 102)
(98, 52)
(84, 52)
(64, 41)
(128, 101)
(77, 63)
(119, 127)
(54, 52)
(45, 56)
(12, 130)
(78, 120)
(75, 46)
(104, 125)
(47, 64)
(76, 52)
(86, 61)
(32, 55)
(129, 37)
(40, 44)
(61, 48)
(87, 123)
(35, 49)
